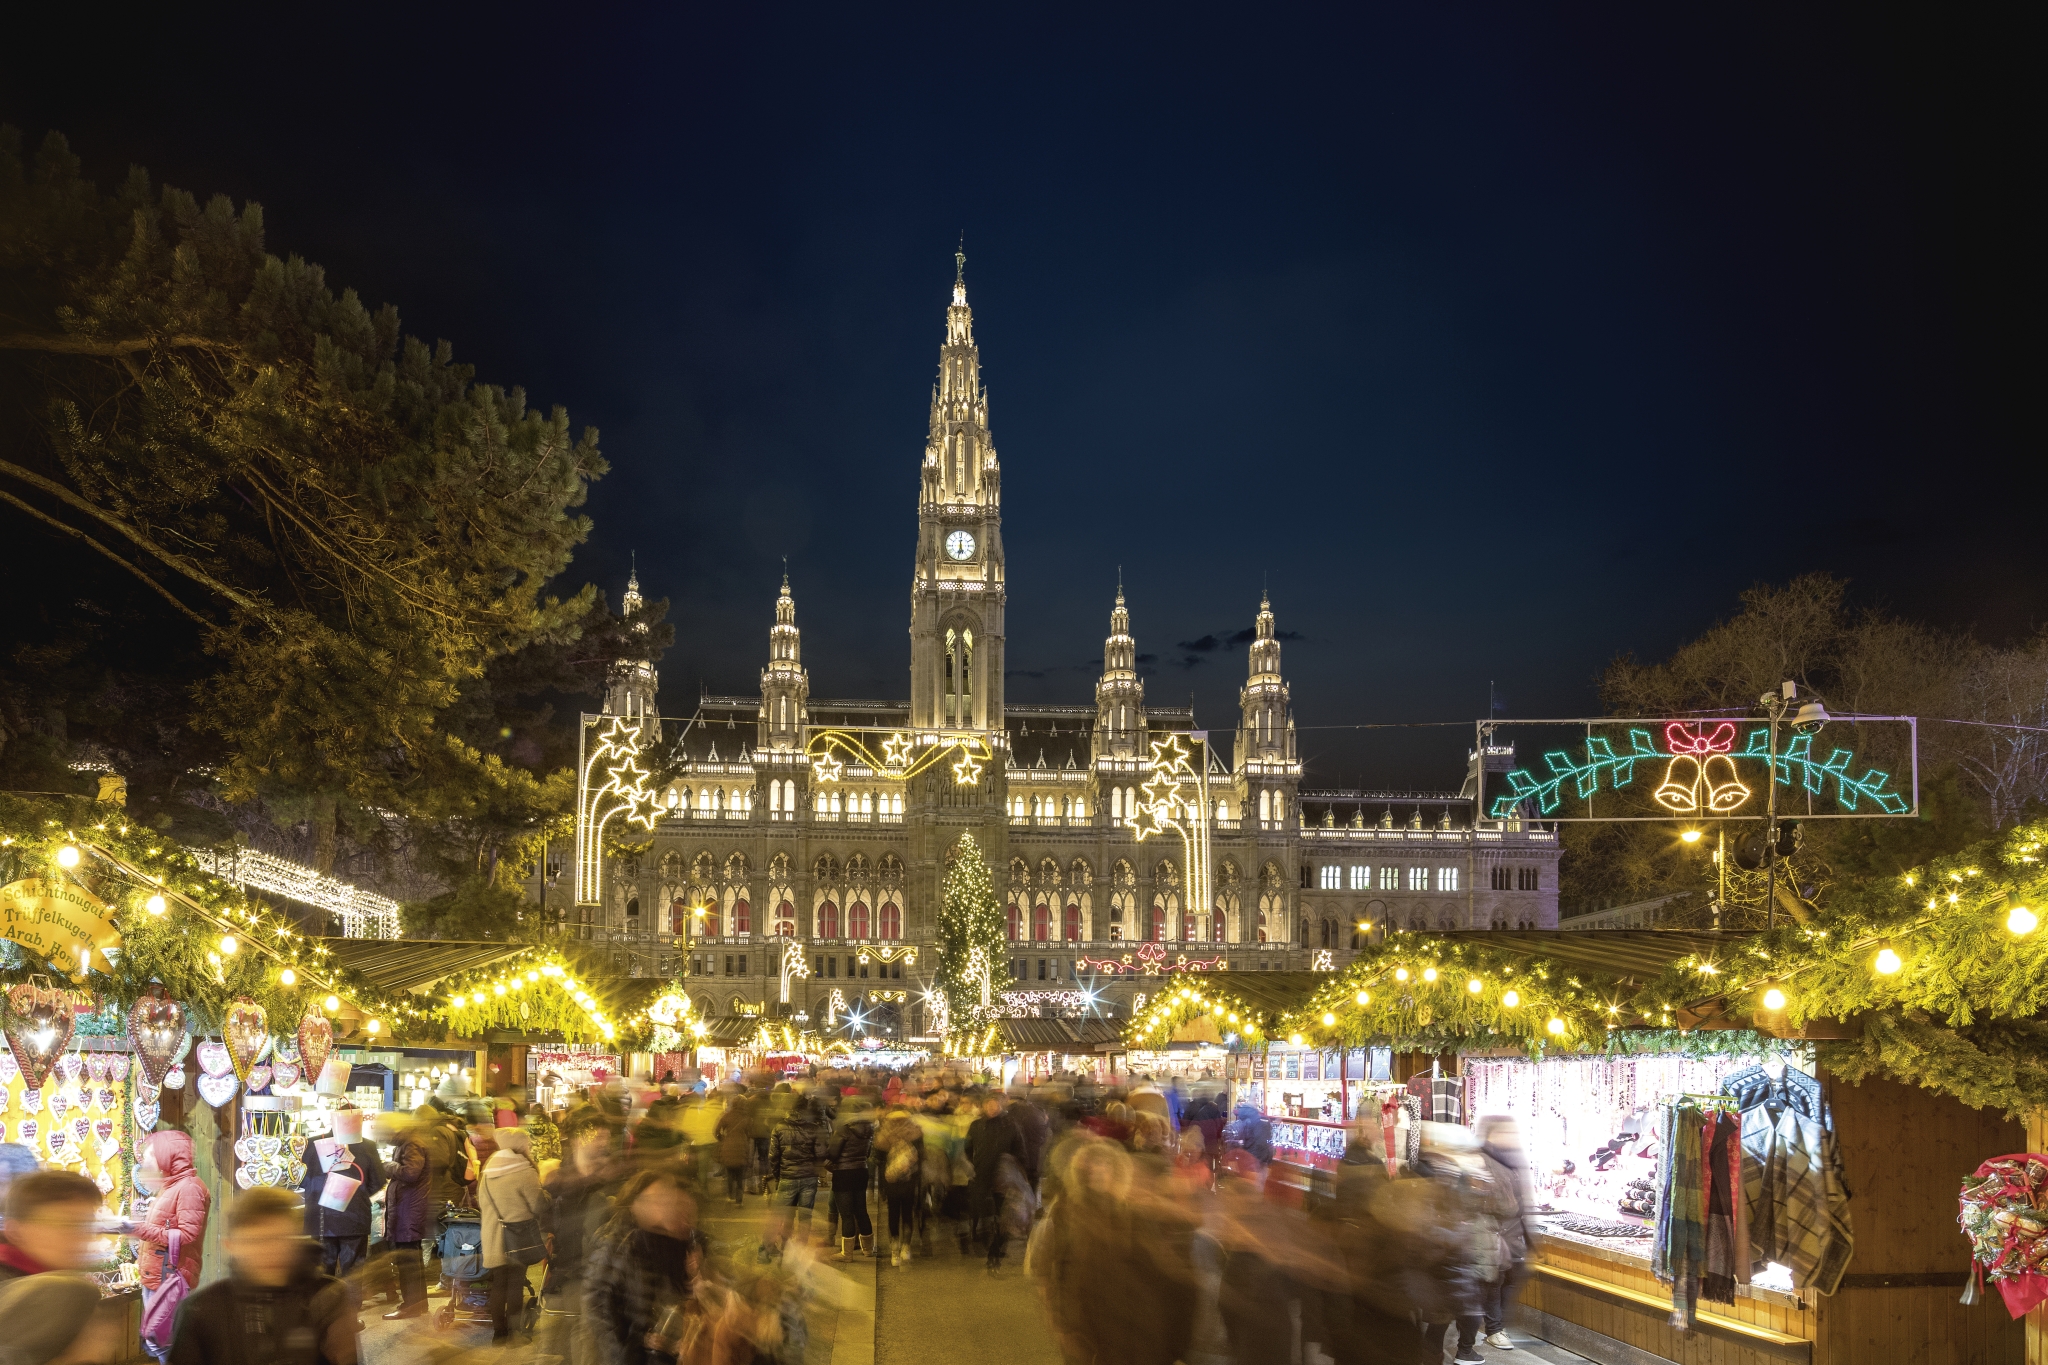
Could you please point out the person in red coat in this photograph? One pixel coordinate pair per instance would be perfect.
(179, 1205)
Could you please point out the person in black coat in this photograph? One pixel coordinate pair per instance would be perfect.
(342, 1235)
(990, 1138)
(274, 1308)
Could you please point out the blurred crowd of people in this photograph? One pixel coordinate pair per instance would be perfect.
(1142, 1215)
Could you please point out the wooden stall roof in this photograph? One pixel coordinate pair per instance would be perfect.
(1623, 952)
(1056, 1035)
(414, 964)
(735, 1031)
(1274, 992)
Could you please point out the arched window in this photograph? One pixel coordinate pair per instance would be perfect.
(1265, 805)
(828, 920)
(742, 917)
(857, 920)
(1116, 803)
(633, 910)
(678, 916)
(1217, 925)
(1073, 922)
(1041, 922)
(1013, 917)
(774, 797)
(785, 920)
(891, 926)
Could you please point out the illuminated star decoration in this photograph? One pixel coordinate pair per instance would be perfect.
(896, 750)
(967, 772)
(827, 767)
(623, 792)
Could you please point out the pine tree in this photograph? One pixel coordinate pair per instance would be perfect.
(970, 941)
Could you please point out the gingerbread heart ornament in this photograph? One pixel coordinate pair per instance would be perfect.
(259, 1077)
(284, 1075)
(213, 1058)
(316, 1042)
(218, 1090)
(159, 1030)
(247, 1035)
(38, 1026)
(109, 1144)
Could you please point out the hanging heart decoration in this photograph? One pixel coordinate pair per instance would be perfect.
(213, 1057)
(8, 1070)
(81, 1133)
(283, 1075)
(244, 1176)
(38, 1027)
(57, 1143)
(60, 1102)
(245, 1148)
(160, 1030)
(259, 1077)
(263, 1055)
(104, 1179)
(285, 1049)
(146, 1112)
(247, 1034)
(109, 1141)
(316, 1041)
(70, 1066)
(96, 1066)
(174, 1079)
(27, 1135)
(107, 1100)
(32, 1100)
(218, 1090)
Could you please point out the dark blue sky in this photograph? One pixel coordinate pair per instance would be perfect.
(1498, 341)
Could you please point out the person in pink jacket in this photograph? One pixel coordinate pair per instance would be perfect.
(179, 1205)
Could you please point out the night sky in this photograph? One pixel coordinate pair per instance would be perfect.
(1496, 341)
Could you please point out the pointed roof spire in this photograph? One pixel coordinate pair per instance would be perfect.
(785, 575)
(960, 273)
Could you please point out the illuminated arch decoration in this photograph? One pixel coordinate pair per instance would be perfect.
(1173, 1009)
(610, 784)
(537, 992)
(1703, 775)
(901, 758)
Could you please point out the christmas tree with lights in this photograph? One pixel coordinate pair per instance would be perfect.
(971, 940)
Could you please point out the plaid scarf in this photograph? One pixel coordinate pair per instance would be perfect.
(1685, 1243)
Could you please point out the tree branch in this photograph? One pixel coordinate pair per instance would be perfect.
(70, 530)
(258, 609)
(115, 347)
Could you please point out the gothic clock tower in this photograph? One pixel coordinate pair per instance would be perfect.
(956, 594)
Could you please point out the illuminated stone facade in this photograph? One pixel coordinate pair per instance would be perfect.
(755, 850)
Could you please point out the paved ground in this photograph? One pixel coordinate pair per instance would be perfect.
(932, 1312)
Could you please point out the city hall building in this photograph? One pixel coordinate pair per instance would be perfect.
(752, 850)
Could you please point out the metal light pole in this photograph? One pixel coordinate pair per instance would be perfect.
(1774, 704)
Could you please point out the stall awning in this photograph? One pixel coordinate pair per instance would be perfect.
(1620, 952)
(736, 1031)
(1276, 993)
(414, 964)
(1055, 1035)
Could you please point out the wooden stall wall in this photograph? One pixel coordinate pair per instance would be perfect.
(1905, 1151)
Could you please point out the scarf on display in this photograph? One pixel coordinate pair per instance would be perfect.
(1721, 1141)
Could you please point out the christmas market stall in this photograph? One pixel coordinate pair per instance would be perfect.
(1827, 1085)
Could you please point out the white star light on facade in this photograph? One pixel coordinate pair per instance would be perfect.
(896, 749)
(967, 772)
(827, 767)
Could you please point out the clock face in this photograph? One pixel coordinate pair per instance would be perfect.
(960, 545)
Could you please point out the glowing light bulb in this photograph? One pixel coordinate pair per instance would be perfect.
(498, 989)
(333, 1003)
(228, 944)
(1400, 973)
(1429, 973)
(1691, 836)
(1295, 1039)
(288, 977)
(155, 905)
(1511, 998)
(2020, 921)
(1329, 1020)
(1363, 997)
(1475, 985)
(1774, 999)
(1887, 963)
(67, 857)
(374, 1027)
(1556, 1026)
